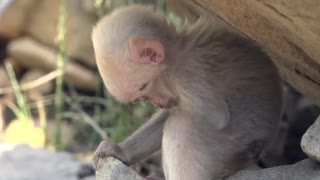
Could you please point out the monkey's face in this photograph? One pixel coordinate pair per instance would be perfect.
(135, 83)
(129, 81)
(158, 92)
(137, 75)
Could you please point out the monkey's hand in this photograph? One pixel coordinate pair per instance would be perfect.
(106, 149)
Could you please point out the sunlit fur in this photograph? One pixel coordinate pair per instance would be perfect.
(228, 90)
(112, 37)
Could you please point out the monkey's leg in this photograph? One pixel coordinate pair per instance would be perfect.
(143, 142)
(193, 149)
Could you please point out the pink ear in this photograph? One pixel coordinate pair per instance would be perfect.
(147, 51)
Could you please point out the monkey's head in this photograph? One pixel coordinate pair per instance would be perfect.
(130, 48)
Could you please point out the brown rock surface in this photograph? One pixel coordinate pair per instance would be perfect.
(288, 30)
(43, 23)
(14, 18)
(4, 78)
(39, 19)
(33, 55)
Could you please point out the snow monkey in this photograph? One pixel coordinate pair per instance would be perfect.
(219, 95)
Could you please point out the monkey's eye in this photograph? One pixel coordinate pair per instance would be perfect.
(143, 86)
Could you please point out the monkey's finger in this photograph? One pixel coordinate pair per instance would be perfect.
(109, 151)
(96, 156)
(103, 144)
(101, 154)
(95, 162)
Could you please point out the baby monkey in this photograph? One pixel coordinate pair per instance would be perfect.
(219, 94)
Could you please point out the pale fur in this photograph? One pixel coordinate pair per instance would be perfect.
(228, 89)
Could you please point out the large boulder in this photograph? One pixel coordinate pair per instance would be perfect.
(289, 30)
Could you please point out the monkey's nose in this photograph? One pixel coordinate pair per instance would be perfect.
(169, 104)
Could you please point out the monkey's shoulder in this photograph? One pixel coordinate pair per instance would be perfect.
(214, 37)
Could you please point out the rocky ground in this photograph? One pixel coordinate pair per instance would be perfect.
(23, 162)
(28, 40)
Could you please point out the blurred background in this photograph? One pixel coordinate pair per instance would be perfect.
(54, 109)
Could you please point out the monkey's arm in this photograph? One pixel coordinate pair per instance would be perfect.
(147, 139)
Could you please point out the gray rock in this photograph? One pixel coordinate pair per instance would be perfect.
(25, 163)
(113, 169)
(303, 170)
(310, 142)
(89, 178)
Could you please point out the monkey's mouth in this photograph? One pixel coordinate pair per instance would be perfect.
(167, 105)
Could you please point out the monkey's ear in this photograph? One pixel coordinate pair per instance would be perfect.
(147, 51)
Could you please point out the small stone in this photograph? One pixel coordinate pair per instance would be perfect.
(310, 142)
(111, 169)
